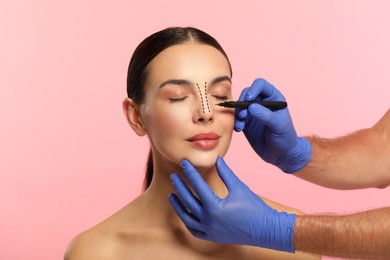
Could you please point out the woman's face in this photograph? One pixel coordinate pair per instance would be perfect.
(184, 84)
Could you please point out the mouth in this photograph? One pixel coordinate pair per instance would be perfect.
(204, 140)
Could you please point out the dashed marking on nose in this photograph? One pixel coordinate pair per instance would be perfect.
(205, 94)
(201, 97)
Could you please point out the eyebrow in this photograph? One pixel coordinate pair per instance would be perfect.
(181, 82)
(184, 82)
(220, 79)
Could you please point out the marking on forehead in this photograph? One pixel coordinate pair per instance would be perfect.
(205, 94)
(201, 97)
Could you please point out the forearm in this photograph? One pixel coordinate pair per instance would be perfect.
(359, 160)
(361, 235)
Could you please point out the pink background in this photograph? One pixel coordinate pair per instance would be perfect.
(67, 156)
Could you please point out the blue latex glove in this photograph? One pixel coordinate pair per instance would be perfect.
(239, 218)
(271, 133)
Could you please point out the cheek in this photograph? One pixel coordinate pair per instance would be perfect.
(168, 121)
(227, 117)
(229, 123)
(228, 126)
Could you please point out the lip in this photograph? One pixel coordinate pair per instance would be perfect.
(205, 140)
(204, 136)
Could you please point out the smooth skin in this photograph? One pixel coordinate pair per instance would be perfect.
(148, 228)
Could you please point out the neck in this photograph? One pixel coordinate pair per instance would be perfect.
(161, 187)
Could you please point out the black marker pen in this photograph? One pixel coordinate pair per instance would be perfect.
(274, 105)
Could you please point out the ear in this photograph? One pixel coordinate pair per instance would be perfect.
(133, 116)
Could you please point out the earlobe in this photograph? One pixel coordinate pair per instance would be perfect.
(133, 116)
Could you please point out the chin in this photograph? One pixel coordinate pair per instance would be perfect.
(203, 161)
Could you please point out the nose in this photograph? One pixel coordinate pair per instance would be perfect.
(204, 111)
(204, 116)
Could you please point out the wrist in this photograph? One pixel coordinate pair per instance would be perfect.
(278, 232)
(287, 230)
(298, 157)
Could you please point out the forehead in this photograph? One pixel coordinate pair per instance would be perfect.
(193, 61)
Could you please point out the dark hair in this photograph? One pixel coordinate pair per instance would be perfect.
(146, 51)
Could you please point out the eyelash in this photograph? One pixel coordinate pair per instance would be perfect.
(174, 100)
(221, 97)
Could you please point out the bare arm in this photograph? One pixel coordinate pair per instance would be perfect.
(359, 160)
(361, 235)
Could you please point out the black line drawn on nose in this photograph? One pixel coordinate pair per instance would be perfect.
(201, 97)
(205, 94)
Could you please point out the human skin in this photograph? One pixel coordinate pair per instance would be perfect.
(148, 228)
(356, 161)
(364, 235)
(173, 113)
(359, 160)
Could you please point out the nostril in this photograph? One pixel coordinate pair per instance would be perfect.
(204, 119)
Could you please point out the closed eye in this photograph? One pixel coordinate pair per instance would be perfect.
(174, 100)
(221, 97)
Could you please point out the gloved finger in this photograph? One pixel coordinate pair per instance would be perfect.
(204, 192)
(186, 197)
(239, 125)
(269, 118)
(261, 88)
(227, 175)
(243, 94)
(197, 233)
(240, 119)
(240, 114)
(189, 219)
(260, 113)
(255, 90)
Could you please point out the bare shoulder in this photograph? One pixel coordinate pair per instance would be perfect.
(380, 132)
(108, 238)
(90, 244)
(385, 119)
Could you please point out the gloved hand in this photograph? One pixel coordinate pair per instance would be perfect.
(271, 133)
(239, 218)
